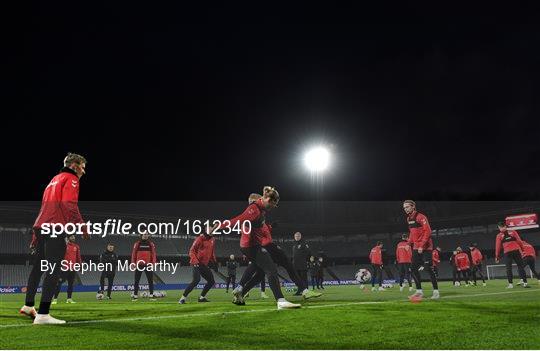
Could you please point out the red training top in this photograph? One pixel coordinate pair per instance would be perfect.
(260, 233)
(435, 258)
(375, 256)
(476, 256)
(419, 231)
(403, 252)
(462, 261)
(528, 250)
(73, 254)
(145, 251)
(510, 241)
(202, 250)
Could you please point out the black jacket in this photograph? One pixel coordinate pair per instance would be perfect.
(109, 257)
(313, 268)
(301, 254)
(231, 267)
(385, 258)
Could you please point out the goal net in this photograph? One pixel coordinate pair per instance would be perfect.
(498, 271)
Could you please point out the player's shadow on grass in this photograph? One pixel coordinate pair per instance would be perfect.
(206, 335)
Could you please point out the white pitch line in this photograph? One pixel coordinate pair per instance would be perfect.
(180, 315)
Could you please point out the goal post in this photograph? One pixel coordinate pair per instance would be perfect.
(495, 271)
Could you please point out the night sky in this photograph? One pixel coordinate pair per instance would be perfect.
(213, 104)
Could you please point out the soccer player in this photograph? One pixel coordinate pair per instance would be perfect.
(201, 256)
(110, 260)
(300, 255)
(72, 256)
(463, 264)
(254, 274)
(313, 267)
(436, 260)
(251, 245)
(250, 272)
(476, 260)
(375, 258)
(512, 247)
(386, 263)
(529, 257)
(231, 272)
(420, 238)
(143, 253)
(403, 260)
(320, 273)
(59, 205)
(263, 287)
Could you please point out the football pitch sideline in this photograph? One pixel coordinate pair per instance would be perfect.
(346, 317)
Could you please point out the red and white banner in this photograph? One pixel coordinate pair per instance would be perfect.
(524, 221)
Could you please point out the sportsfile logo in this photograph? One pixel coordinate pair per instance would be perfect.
(120, 227)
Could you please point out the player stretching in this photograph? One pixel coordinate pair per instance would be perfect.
(463, 265)
(375, 258)
(529, 257)
(476, 260)
(143, 253)
(72, 256)
(420, 238)
(403, 260)
(512, 247)
(201, 255)
(59, 205)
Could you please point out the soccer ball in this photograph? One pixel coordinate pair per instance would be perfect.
(99, 296)
(363, 276)
(144, 294)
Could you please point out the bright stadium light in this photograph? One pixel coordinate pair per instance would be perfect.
(317, 159)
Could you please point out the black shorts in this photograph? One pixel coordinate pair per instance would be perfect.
(422, 259)
(477, 267)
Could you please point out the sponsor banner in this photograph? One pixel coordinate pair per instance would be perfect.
(143, 287)
(524, 221)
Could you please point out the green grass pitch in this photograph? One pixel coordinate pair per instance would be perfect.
(345, 317)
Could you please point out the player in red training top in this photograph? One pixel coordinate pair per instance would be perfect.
(403, 260)
(512, 247)
(59, 205)
(72, 256)
(463, 265)
(254, 237)
(529, 257)
(420, 239)
(201, 255)
(476, 260)
(143, 253)
(436, 260)
(375, 258)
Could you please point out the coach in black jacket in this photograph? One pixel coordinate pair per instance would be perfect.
(110, 259)
(231, 272)
(301, 254)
